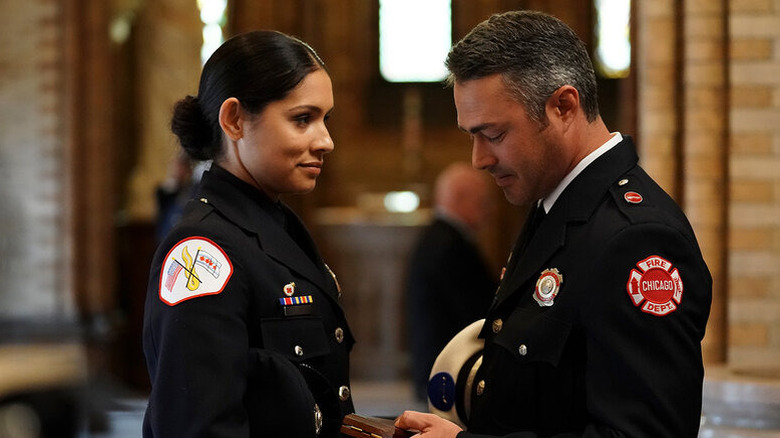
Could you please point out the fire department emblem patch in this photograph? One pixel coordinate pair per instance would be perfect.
(656, 286)
(194, 267)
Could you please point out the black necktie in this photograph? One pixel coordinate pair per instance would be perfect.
(538, 216)
(532, 222)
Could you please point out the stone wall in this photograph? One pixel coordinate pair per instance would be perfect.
(709, 118)
(754, 188)
(708, 104)
(33, 241)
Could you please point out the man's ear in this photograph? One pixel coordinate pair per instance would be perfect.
(563, 105)
(230, 118)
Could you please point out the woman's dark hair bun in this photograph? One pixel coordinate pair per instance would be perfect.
(256, 68)
(193, 130)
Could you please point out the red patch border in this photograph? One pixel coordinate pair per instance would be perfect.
(160, 285)
(637, 298)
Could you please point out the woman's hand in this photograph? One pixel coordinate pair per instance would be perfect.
(429, 425)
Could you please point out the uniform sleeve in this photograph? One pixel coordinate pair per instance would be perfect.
(197, 355)
(644, 369)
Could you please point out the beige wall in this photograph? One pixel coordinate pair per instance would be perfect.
(33, 255)
(167, 52)
(709, 118)
(754, 188)
(708, 107)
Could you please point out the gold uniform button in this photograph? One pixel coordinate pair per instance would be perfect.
(344, 393)
(497, 325)
(522, 349)
(298, 350)
(339, 335)
(623, 182)
(480, 387)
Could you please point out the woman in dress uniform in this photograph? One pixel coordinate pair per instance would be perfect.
(244, 335)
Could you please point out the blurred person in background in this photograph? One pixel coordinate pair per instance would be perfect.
(449, 284)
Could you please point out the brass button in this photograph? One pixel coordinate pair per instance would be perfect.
(204, 200)
(623, 182)
(344, 393)
(497, 325)
(298, 350)
(480, 387)
(522, 349)
(339, 335)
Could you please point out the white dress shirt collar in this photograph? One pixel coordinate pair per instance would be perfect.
(549, 201)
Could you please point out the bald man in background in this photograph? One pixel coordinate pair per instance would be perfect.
(448, 282)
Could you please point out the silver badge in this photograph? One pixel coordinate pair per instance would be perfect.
(547, 287)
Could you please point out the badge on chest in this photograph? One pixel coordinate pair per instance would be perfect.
(293, 305)
(547, 287)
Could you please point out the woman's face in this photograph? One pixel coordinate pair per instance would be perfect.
(282, 148)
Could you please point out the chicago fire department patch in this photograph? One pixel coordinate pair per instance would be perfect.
(656, 286)
(194, 267)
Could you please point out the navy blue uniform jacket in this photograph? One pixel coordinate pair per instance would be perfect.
(448, 287)
(238, 363)
(618, 353)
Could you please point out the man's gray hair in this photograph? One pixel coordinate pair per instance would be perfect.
(535, 52)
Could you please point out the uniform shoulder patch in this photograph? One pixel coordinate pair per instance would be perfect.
(194, 267)
(656, 286)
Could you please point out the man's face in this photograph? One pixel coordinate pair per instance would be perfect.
(526, 160)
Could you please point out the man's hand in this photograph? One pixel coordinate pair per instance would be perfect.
(429, 425)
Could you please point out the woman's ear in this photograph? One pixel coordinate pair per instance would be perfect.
(230, 118)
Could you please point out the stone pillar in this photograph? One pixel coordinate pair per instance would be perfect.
(33, 204)
(657, 73)
(683, 128)
(168, 55)
(704, 151)
(754, 189)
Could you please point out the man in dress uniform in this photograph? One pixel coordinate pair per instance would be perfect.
(448, 284)
(596, 327)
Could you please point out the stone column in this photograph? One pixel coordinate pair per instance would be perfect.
(754, 189)
(705, 150)
(168, 55)
(683, 126)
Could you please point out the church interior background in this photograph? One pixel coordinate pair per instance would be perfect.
(86, 90)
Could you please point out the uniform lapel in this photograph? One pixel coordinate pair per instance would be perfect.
(276, 247)
(576, 205)
(548, 238)
(282, 248)
(234, 199)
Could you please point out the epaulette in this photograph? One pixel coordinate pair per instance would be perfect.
(632, 198)
(197, 209)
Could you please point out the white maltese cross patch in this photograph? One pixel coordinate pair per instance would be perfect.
(194, 267)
